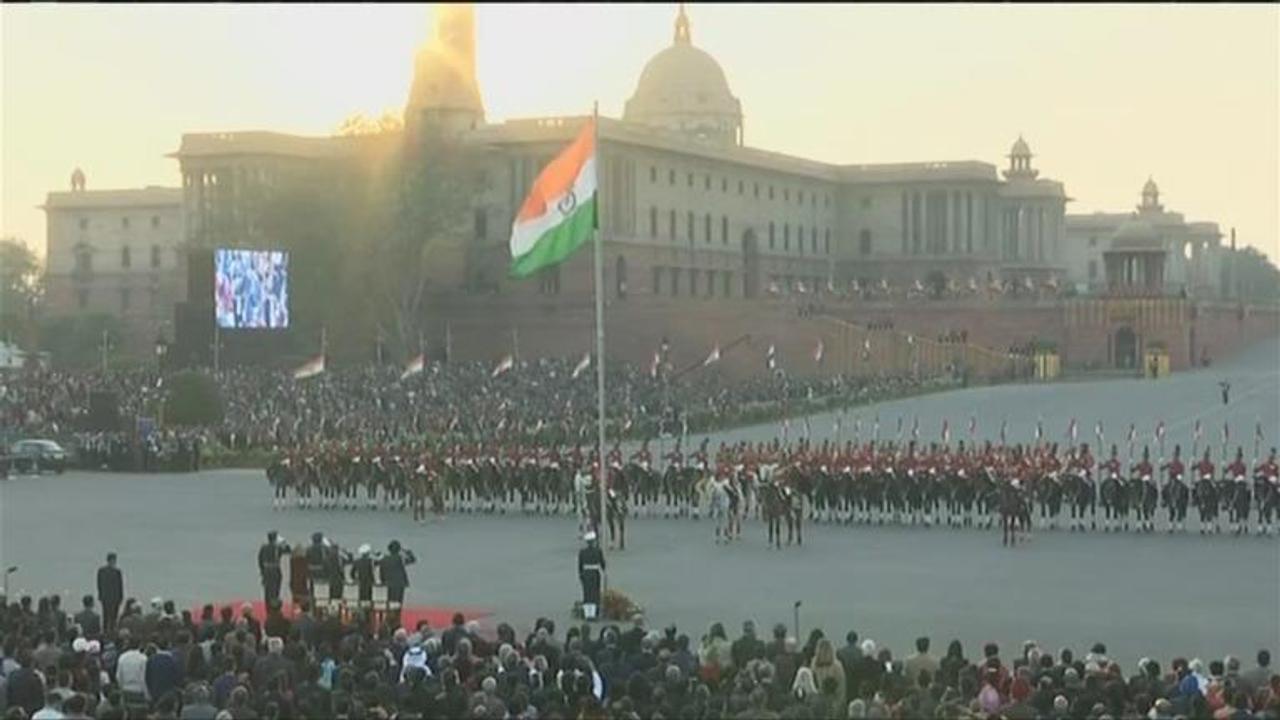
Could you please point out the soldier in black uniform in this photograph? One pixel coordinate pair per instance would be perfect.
(391, 568)
(269, 567)
(591, 574)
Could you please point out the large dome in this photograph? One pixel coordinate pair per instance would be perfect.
(683, 88)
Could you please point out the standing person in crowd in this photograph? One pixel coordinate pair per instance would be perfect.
(393, 574)
(269, 567)
(362, 574)
(89, 621)
(110, 592)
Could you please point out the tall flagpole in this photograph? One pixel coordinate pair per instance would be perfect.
(599, 287)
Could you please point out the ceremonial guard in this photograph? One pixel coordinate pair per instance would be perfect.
(591, 575)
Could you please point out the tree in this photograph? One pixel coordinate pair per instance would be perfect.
(193, 398)
(418, 235)
(936, 282)
(21, 288)
(1255, 276)
(372, 236)
(358, 124)
(76, 341)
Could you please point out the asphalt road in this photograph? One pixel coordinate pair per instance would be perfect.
(194, 537)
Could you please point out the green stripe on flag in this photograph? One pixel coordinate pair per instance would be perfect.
(559, 242)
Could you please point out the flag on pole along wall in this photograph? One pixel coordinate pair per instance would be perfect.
(819, 351)
(806, 427)
(973, 427)
(1160, 431)
(771, 357)
(1198, 432)
(1257, 431)
(946, 431)
(414, 367)
(1097, 432)
(1226, 433)
(653, 366)
(1039, 429)
(866, 348)
(898, 435)
(1004, 425)
(310, 368)
(1133, 433)
(714, 357)
(506, 364)
(582, 365)
(559, 214)
(915, 428)
(1072, 431)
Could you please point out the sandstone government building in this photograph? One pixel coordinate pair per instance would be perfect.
(704, 236)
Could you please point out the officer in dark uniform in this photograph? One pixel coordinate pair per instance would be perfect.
(317, 557)
(269, 567)
(393, 573)
(591, 574)
(336, 560)
(391, 568)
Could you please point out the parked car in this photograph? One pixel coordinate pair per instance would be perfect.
(37, 456)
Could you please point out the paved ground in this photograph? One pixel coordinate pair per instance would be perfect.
(195, 536)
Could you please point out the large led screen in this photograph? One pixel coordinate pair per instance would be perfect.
(251, 289)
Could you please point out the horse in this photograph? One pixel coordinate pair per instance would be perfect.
(1174, 498)
(1115, 503)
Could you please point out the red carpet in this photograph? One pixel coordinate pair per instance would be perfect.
(437, 617)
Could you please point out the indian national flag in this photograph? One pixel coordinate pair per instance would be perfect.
(582, 365)
(414, 367)
(507, 363)
(310, 368)
(714, 357)
(559, 214)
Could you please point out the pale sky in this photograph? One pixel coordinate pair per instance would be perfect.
(1105, 95)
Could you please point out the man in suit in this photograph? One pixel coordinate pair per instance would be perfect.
(88, 620)
(110, 592)
(269, 567)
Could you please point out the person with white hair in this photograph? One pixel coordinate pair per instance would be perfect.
(362, 573)
(415, 657)
(804, 686)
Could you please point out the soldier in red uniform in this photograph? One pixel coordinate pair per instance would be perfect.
(1266, 482)
(1238, 495)
(1175, 490)
(1206, 495)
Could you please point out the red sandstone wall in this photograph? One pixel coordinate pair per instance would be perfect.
(481, 329)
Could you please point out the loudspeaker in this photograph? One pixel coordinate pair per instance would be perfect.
(193, 334)
(104, 412)
(200, 277)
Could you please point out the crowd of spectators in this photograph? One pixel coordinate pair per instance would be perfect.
(227, 663)
(537, 400)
